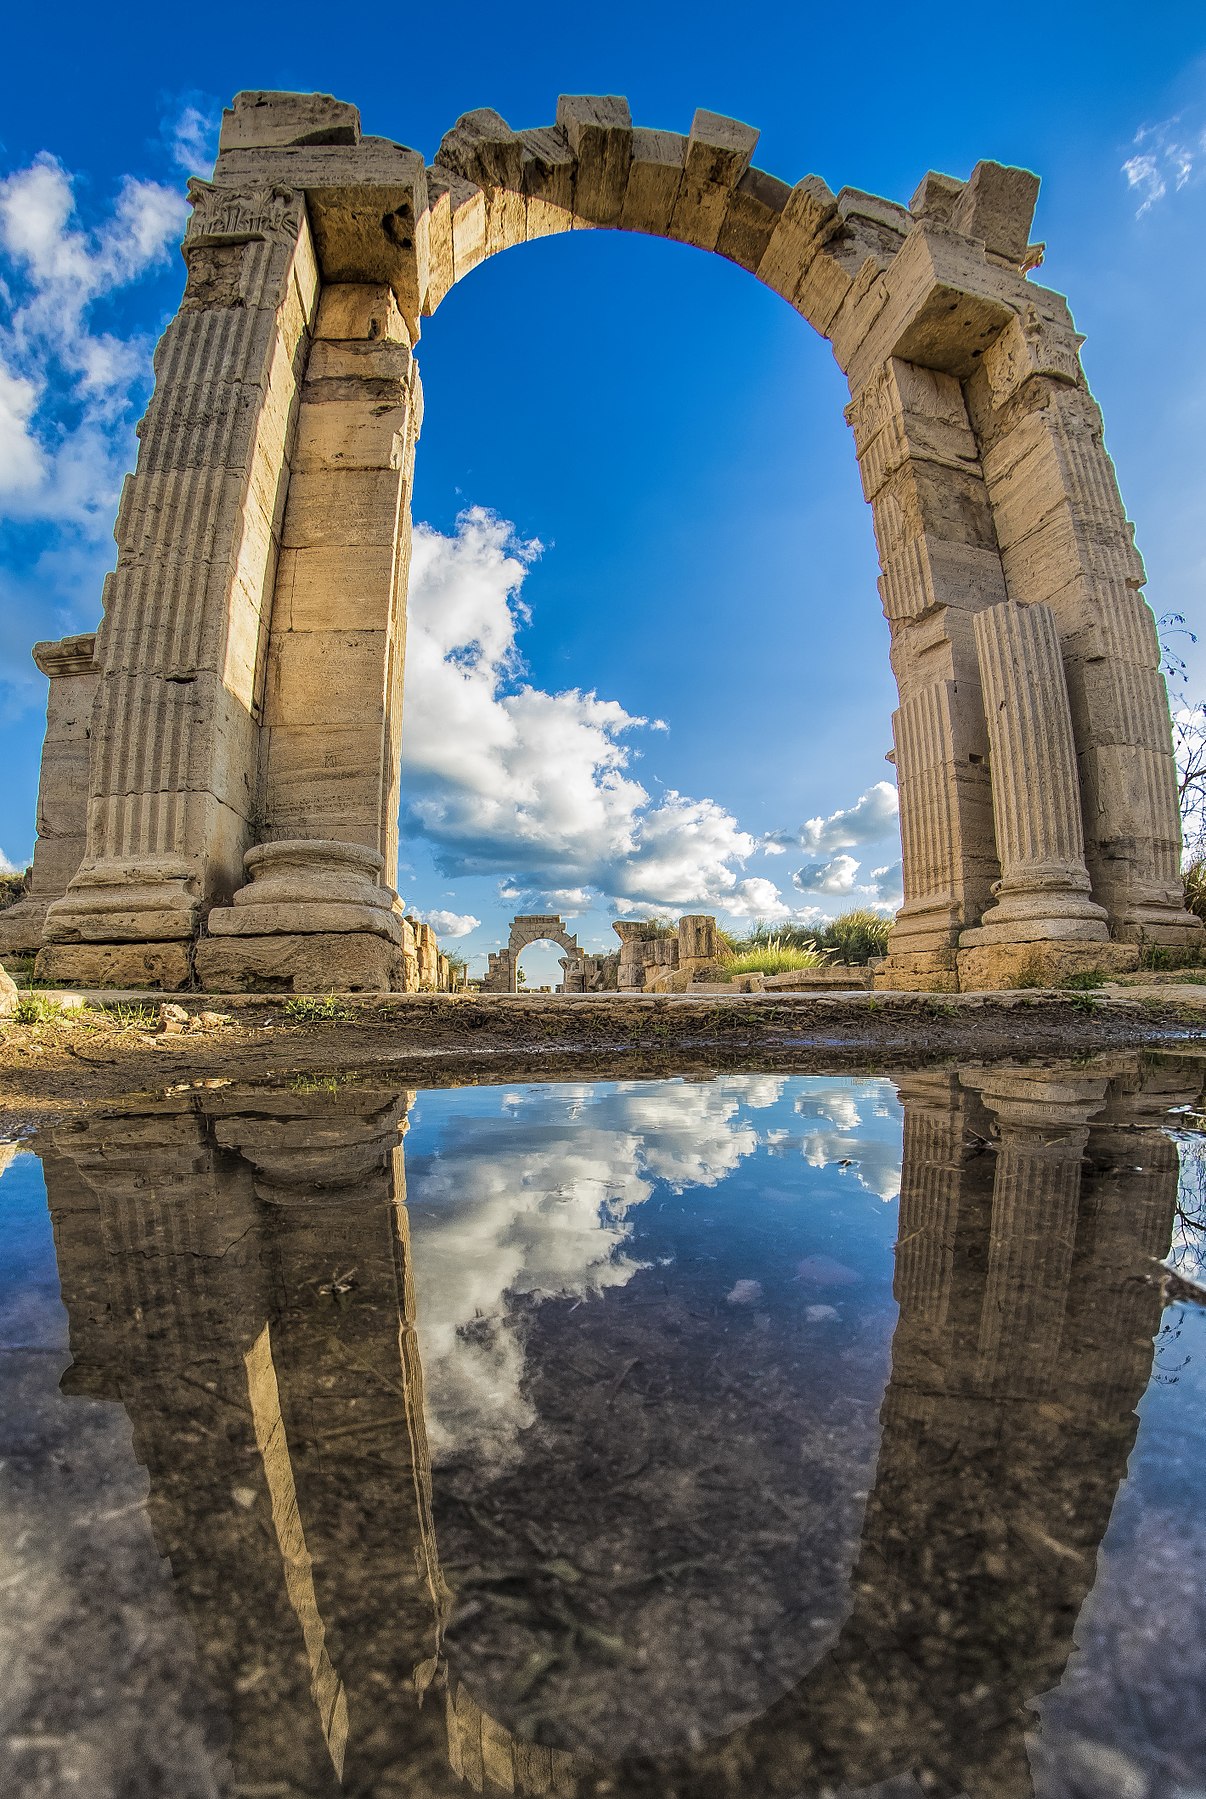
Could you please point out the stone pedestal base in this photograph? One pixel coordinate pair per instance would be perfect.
(919, 971)
(991, 967)
(301, 962)
(22, 925)
(167, 966)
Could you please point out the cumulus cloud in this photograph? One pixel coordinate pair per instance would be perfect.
(193, 137)
(534, 1203)
(874, 815)
(1167, 154)
(69, 383)
(451, 924)
(831, 870)
(507, 779)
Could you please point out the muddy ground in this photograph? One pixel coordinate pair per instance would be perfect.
(114, 1046)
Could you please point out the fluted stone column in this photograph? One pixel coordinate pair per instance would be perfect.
(181, 647)
(1066, 541)
(62, 788)
(1043, 897)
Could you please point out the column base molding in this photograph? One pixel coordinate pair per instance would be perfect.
(144, 900)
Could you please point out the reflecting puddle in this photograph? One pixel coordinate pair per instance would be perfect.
(742, 1436)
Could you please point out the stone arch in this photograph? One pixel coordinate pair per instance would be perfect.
(251, 659)
(502, 975)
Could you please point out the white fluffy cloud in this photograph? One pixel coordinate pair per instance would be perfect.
(451, 924)
(873, 821)
(63, 458)
(68, 387)
(872, 817)
(1167, 154)
(534, 1204)
(506, 779)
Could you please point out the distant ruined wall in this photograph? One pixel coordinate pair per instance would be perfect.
(245, 737)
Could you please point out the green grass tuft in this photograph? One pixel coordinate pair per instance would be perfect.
(313, 1008)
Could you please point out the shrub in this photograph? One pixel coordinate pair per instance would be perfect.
(12, 888)
(771, 957)
(857, 936)
(1194, 878)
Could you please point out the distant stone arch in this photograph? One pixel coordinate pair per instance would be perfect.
(249, 678)
(502, 974)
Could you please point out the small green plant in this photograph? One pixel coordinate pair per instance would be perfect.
(125, 1017)
(13, 887)
(315, 1008)
(318, 1083)
(36, 1008)
(1083, 981)
(1194, 878)
(1084, 1002)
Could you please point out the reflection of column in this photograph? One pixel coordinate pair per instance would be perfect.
(981, 1533)
(249, 1305)
(62, 788)
(1043, 892)
(1043, 1131)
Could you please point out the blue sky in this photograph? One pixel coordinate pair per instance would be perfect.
(639, 494)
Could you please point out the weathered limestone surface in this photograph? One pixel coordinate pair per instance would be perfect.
(62, 788)
(8, 993)
(148, 964)
(251, 656)
(309, 962)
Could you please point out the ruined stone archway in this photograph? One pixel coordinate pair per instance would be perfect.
(502, 973)
(251, 657)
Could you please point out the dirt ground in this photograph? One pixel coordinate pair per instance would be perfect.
(113, 1045)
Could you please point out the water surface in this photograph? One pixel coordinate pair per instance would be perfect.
(741, 1436)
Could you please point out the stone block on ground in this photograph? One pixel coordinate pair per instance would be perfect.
(992, 967)
(314, 962)
(165, 965)
(8, 993)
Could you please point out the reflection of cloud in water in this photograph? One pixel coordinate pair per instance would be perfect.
(840, 1129)
(532, 1203)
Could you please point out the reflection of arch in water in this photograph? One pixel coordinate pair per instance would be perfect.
(238, 1272)
(502, 972)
